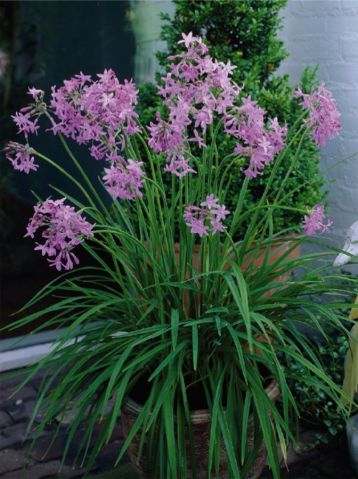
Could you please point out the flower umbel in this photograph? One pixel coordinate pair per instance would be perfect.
(20, 157)
(208, 217)
(62, 229)
(124, 180)
(95, 112)
(258, 142)
(314, 222)
(323, 113)
(196, 89)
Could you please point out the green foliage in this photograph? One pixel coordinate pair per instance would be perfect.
(315, 407)
(145, 311)
(244, 32)
(209, 313)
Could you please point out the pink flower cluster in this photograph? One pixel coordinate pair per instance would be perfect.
(21, 157)
(323, 113)
(124, 180)
(314, 222)
(196, 88)
(209, 216)
(97, 113)
(260, 143)
(62, 229)
(26, 120)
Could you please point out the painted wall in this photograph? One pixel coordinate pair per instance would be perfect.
(146, 22)
(326, 32)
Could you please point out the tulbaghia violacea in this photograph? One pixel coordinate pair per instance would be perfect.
(171, 295)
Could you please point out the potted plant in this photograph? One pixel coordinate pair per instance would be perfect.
(187, 354)
(246, 34)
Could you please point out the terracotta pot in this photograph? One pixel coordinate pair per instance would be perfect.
(201, 434)
(276, 252)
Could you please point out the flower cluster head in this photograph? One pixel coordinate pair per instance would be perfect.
(62, 229)
(196, 89)
(258, 142)
(323, 113)
(98, 113)
(26, 120)
(315, 222)
(21, 157)
(124, 180)
(208, 217)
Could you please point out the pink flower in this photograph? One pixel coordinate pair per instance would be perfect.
(36, 94)
(20, 156)
(196, 89)
(124, 180)
(323, 113)
(24, 123)
(209, 215)
(193, 43)
(98, 113)
(258, 142)
(165, 136)
(314, 222)
(62, 229)
(178, 165)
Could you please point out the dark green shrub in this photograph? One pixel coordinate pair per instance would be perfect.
(315, 407)
(245, 32)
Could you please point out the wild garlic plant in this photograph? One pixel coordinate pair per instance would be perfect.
(168, 297)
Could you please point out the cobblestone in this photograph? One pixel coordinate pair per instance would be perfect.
(9, 397)
(21, 410)
(45, 470)
(19, 461)
(45, 449)
(5, 419)
(13, 435)
(10, 460)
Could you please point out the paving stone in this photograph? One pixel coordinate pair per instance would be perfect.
(12, 435)
(107, 457)
(78, 437)
(46, 450)
(304, 451)
(5, 419)
(122, 472)
(7, 382)
(7, 396)
(37, 380)
(15, 435)
(11, 460)
(45, 470)
(21, 410)
(117, 431)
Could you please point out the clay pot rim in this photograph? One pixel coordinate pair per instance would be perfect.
(200, 415)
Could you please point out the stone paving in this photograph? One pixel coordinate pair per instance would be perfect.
(43, 461)
(329, 461)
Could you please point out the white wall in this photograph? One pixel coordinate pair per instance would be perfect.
(146, 22)
(326, 32)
